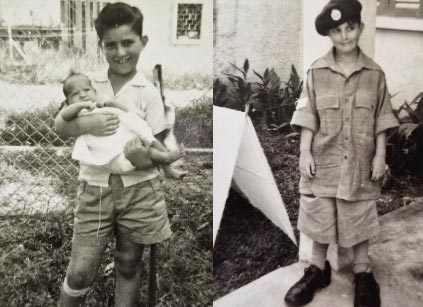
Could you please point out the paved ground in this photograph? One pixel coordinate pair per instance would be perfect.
(398, 266)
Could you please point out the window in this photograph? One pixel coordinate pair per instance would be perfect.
(400, 8)
(188, 21)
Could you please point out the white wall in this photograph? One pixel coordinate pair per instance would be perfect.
(177, 59)
(276, 34)
(400, 53)
(266, 32)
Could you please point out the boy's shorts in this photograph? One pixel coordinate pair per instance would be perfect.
(332, 220)
(136, 213)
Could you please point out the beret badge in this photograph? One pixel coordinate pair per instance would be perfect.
(335, 15)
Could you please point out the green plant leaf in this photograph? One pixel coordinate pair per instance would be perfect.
(246, 65)
(406, 130)
(292, 134)
(259, 76)
(266, 74)
(239, 69)
(418, 100)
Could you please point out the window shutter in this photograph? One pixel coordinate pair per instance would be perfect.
(400, 8)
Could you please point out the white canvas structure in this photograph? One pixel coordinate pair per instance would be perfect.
(238, 155)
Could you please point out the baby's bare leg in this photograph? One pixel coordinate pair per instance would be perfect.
(172, 172)
(160, 154)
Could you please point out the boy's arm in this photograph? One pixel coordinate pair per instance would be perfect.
(121, 106)
(71, 112)
(305, 114)
(113, 104)
(134, 150)
(96, 124)
(307, 166)
(385, 118)
(379, 160)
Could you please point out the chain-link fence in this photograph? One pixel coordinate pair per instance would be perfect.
(38, 178)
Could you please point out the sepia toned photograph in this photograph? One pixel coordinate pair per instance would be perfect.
(106, 153)
(317, 148)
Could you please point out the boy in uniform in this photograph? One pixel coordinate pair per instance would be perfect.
(343, 118)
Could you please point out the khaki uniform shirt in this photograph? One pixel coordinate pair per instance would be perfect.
(345, 115)
(140, 94)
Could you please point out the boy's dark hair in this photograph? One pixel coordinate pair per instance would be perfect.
(117, 14)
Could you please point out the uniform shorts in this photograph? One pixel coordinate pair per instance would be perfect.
(136, 213)
(332, 220)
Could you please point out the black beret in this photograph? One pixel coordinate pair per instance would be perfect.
(335, 13)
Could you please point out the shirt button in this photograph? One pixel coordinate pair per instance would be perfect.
(345, 157)
(346, 138)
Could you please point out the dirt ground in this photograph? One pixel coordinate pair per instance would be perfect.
(249, 246)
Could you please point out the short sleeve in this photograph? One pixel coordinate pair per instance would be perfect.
(305, 114)
(385, 118)
(155, 113)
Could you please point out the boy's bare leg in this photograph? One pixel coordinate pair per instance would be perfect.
(361, 257)
(128, 272)
(318, 255)
(82, 269)
(160, 154)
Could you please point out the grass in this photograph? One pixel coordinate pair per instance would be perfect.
(196, 80)
(249, 246)
(34, 250)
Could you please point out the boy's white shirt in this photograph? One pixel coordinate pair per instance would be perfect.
(103, 150)
(140, 94)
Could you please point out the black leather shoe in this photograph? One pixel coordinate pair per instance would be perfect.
(366, 291)
(302, 292)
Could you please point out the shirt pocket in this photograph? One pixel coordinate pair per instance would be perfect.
(329, 114)
(364, 111)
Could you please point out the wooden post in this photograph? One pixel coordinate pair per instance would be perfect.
(87, 24)
(90, 15)
(9, 33)
(152, 288)
(64, 25)
(77, 35)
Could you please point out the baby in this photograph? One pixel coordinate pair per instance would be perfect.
(107, 151)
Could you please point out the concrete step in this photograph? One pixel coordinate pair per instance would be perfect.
(397, 264)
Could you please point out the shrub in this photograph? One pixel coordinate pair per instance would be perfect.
(405, 144)
(269, 102)
(194, 124)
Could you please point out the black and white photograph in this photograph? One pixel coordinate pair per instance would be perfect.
(317, 148)
(106, 153)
